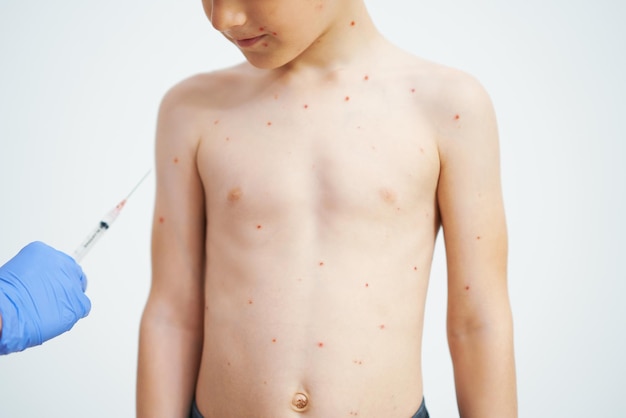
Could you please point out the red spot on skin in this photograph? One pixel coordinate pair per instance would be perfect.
(274, 33)
(161, 220)
(382, 326)
(259, 226)
(415, 268)
(352, 23)
(367, 77)
(306, 106)
(347, 99)
(216, 121)
(228, 363)
(273, 340)
(412, 90)
(276, 97)
(457, 117)
(321, 263)
(261, 29)
(320, 344)
(175, 160)
(265, 44)
(359, 362)
(250, 301)
(467, 288)
(228, 138)
(478, 237)
(269, 123)
(367, 285)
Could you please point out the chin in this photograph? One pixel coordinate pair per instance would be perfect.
(267, 61)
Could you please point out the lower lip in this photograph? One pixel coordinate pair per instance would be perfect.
(246, 43)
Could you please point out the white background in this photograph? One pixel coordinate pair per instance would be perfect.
(80, 83)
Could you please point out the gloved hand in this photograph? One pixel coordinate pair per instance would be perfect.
(41, 296)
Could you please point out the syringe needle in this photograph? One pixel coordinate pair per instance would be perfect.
(104, 224)
(138, 184)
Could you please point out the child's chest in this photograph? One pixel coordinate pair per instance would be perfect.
(346, 154)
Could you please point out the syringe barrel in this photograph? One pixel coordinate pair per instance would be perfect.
(105, 223)
(91, 239)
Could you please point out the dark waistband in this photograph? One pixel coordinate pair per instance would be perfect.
(422, 412)
(194, 411)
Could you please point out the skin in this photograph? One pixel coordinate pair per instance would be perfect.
(299, 196)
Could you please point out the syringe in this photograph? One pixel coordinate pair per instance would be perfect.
(105, 223)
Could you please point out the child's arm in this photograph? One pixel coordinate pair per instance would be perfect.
(480, 329)
(171, 330)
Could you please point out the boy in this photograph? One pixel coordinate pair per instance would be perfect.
(298, 200)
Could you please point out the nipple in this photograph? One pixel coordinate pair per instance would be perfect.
(300, 402)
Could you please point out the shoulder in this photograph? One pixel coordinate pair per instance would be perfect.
(444, 95)
(205, 90)
(184, 108)
(447, 93)
(454, 102)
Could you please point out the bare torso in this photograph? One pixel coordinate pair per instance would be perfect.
(321, 222)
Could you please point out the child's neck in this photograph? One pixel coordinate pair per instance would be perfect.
(348, 41)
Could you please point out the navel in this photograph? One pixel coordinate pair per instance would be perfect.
(300, 402)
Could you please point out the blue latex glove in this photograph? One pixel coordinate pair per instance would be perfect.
(42, 295)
